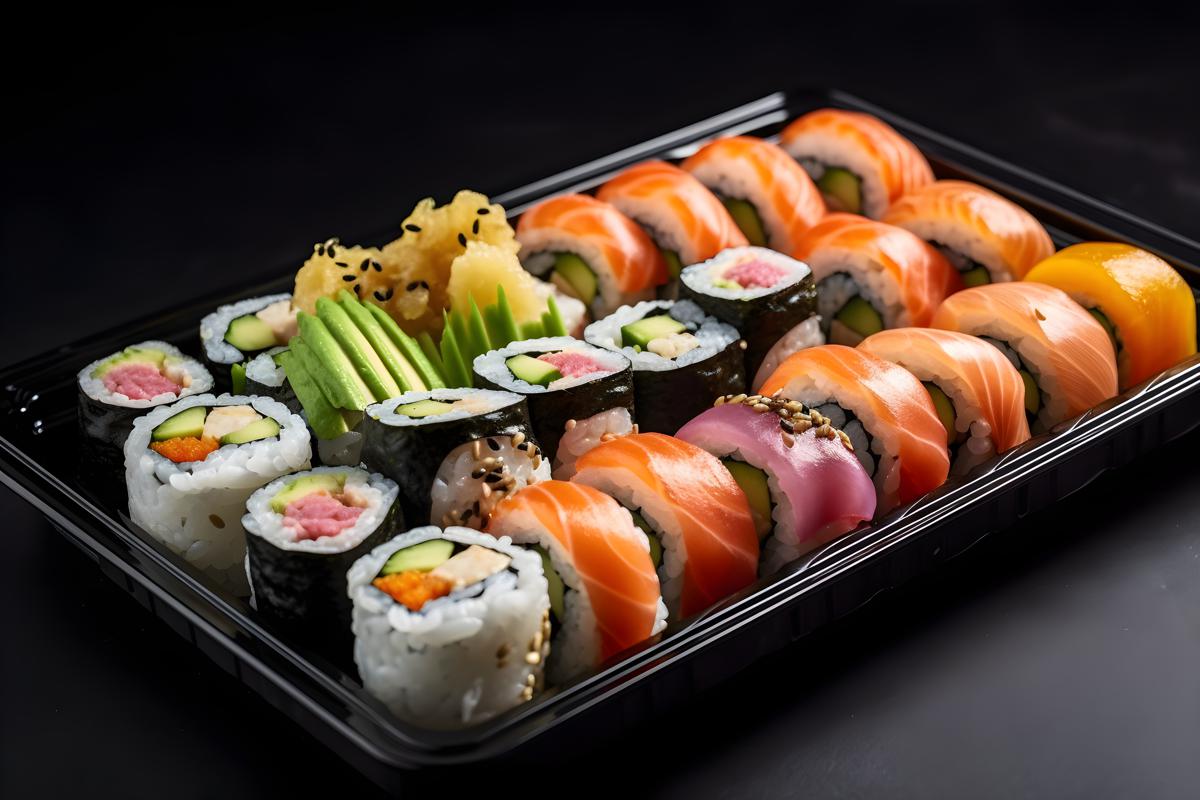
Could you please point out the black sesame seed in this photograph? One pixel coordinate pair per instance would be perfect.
(523, 446)
(379, 296)
(391, 290)
(357, 290)
(413, 228)
(321, 249)
(475, 507)
(478, 473)
(462, 239)
(378, 267)
(365, 265)
(493, 444)
(465, 515)
(332, 252)
(475, 227)
(484, 211)
(412, 287)
(493, 477)
(342, 264)
(348, 278)
(425, 286)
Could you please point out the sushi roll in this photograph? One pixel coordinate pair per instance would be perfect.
(769, 195)
(871, 276)
(886, 413)
(1147, 309)
(591, 251)
(265, 376)
(190, 468)
(561, 378)
(682, 359)
(455, 453)
(803, 482)
(694, 514)
(604, 593)
(687, 221)
(116, 390)
(987, 238)
(770, 298)
(451, 627)
(978, 394)
(1063, 354)
(303, 531)
(859, 162)
(582, 435)
(235, 333)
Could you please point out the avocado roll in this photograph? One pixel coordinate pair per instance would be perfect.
(561, 378)
(236, 333)
(190, 468)
(682, 358)
(116, 390)
(455, 453)
(303, 532)
(450, 627)
(770, 298)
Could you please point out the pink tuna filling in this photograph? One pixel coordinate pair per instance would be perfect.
(316, 515)
(754, 274)
(573, 364)
(139, 382)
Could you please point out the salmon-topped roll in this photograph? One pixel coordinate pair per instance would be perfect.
(885, 412)
(769, 195)
(871, 276)
(692, 510)
(1062, 353)
(987, 238)
(685, 219)
(604, 592)
(1146, 307)
(591, 251)
(859, 162)
(978, 394)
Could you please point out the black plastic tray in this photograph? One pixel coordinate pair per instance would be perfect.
(38, 454)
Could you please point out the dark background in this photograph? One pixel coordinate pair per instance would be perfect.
(142, 167)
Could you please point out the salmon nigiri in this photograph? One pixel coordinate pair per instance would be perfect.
(1146, 307)
(978, 394)
(685, 219)
(604, 593)
(859, 162)
(691, 508)
(988, 238)
(592, 251)
(1062, 353)
(770, 196)
(886, 412)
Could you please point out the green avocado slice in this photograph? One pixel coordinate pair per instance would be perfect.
(753, 483)
(1033, 396)
(389, 354)
(860, 316)
(423, 376)
(674, 264)
(979, 276)
(328, 482)
(189, 422)
(326, 421)
(645, 330)
(578, 275)
(842, 190)
(366, 361)
(944, 408)
(554, 585)
(746, 216)
(330, 364)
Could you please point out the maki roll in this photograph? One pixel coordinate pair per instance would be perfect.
(116, 390)
(1063, 354)
(591, 251)
(237, 332)
(450, 627)
(303, 531)
(604, 594)
(561, 378)
(265, 376)
(859, 162)
(696, 517)
(190, 468)
(682, 358)
(871, 276)
(800, 475)
(1147, 309)
(770, 298)
(687, 221)
(978, 394)
(769, 195)
(455, 453)
(885, 412)
(987, 238)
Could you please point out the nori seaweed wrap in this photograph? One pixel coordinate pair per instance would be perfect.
(237, 332)
(682, 359)
(561, 378)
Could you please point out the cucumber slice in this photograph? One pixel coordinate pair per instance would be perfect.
(656, 550)
(264, 428)
(532, 370)
(554, 584)
(944, 408)
(647, 329)
(189, 422)
(421, 557)
(842, 190)
(249, 333)
(1033, 396)
(860, 316)
(979, 276)
(746, 216)
(578, 275)
(237, 378)
(674, 264)
(753, 483)
(424, 408)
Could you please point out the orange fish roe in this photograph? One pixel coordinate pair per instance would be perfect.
(185, 448)
(412, 588)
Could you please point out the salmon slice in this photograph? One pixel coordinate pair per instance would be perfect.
(689, 496)
(607, 552)
(891, 404)
(660, 196)
(888, 165)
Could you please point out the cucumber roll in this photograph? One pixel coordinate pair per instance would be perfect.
(682, 358)
(450, 627)
(190, 468)
(116, 390)
(455, 453)
(303, 531)
(236, 333)
(561, 378)
(769, 297)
